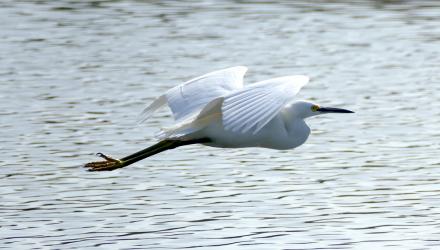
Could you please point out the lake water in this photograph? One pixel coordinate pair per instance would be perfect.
(74, 75)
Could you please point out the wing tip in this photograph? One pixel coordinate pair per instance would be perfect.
(306, 79)
(301, 79)
(241, 68)
(149, 111)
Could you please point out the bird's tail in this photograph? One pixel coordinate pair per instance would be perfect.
(112, 164)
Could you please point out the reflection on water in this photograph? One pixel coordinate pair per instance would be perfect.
(75, 75)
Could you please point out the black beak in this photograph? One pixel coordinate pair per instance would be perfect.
(334, 110)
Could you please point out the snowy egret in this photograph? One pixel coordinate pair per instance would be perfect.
(217, 110)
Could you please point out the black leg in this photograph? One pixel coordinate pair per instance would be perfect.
(112, 164)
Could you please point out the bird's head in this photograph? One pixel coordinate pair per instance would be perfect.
(304, 109)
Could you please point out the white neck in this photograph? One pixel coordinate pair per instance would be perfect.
(296, 127)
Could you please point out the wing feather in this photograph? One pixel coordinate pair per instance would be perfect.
(246, 101)
(262, 115)
(246, 113)
(155, 105)
(189, 98)
(251, 108)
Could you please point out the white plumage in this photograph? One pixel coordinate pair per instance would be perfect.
(190, 97)
(217, 110)
(219, 98)
(251, 108)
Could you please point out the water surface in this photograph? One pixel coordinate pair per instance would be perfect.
(75, 75)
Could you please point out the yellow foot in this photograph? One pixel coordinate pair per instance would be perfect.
(107, 165)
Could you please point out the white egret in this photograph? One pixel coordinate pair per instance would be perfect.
(217, 110)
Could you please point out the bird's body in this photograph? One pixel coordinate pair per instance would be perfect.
(217, 110)
(281, 132)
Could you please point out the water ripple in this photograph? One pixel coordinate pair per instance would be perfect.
(75, 75)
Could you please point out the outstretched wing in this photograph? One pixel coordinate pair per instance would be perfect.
(252, 108)
(190, 97)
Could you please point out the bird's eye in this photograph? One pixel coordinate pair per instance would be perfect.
(315, 108)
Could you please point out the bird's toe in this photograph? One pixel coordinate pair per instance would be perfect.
(107, 165)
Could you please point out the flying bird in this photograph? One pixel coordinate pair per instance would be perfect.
(217, 110)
